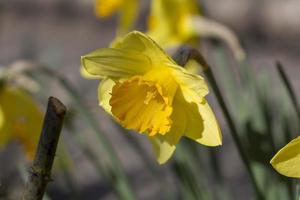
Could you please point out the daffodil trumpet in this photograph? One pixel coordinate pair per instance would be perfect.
(146, 91)
(287, 160)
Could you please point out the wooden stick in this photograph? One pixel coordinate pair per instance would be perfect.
(40, 172)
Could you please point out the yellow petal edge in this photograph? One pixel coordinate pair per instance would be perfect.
(287, 159)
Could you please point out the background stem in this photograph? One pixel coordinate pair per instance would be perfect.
(181, 57)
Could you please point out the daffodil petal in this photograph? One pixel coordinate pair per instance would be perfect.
(115, 63)
(193, 87)
(139, 42)
(202, 125)
(287, 159)
(104, 94)
(87, 75)
(163, 149)
(165, 145)
(193, 67)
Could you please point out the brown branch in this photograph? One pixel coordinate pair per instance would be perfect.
(40, 172)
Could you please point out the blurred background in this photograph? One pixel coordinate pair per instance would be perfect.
(56, 33)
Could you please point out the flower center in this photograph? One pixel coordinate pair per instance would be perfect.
(144, 103)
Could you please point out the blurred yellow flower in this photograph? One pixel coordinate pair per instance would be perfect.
(104, 8)
(287, 159)
(146, 91)
(174, 22)
(170, 21)
(20, 119)
(127, 9)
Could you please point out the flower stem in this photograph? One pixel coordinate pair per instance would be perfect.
(289, 87)
(182, 56)
(234, 132)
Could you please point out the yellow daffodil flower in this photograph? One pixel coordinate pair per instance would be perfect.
(127, 9)
(174, 22)
(170, 22)
(20, 119)
(146, 91)
(287, 159)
